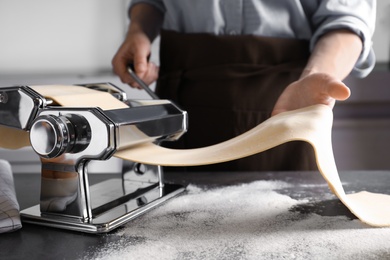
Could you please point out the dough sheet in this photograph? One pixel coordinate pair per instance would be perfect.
(311, 124)
(12, 138)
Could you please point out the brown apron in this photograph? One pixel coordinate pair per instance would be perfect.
(228, 85)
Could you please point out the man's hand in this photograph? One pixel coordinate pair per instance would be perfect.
(317, 88)
(332, 59)
(145, 25)
(135, 50)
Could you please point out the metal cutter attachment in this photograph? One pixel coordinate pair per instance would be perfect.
(68, 139)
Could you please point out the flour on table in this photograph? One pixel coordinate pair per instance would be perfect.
(248, 221)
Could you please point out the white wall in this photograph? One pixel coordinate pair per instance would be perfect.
(381, 37)
(53, 36)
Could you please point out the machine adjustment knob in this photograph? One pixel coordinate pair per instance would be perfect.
(51, 135)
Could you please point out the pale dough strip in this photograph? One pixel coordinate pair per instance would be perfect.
(11, 138)
(311, 124)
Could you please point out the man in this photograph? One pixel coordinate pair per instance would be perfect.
(232, 64)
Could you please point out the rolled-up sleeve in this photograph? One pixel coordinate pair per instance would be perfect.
(355, 15)
(156, 3)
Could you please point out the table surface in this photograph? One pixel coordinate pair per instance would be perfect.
(38, 242)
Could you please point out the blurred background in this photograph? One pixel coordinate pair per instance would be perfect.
(70, 42)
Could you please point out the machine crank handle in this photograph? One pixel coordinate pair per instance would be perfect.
(141, 82)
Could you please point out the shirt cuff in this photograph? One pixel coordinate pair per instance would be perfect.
(156, 3)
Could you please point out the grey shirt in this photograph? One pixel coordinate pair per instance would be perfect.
(300, 19)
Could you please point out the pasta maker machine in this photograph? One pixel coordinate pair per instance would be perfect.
(69, 139)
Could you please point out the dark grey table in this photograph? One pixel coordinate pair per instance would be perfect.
(38, 242)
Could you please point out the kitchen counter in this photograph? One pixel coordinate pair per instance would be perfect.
(38, 242)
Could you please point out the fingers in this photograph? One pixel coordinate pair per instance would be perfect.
(146, 71)
(120, 64)
(141, 61)
(338, 90)
(325, 86)
(318, 88)
(151, 74)
(135, 50)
